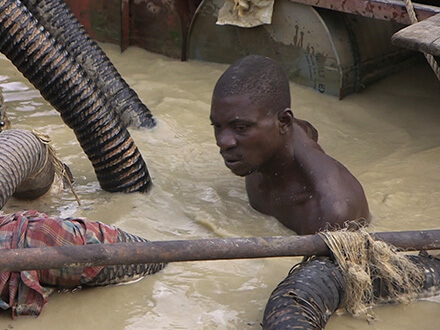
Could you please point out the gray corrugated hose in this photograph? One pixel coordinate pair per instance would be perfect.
(25, 169)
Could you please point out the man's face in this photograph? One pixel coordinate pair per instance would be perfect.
(248, 137)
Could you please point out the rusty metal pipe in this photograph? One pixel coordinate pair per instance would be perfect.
(114, 274)
(192, 250)
(118, 164)
(58, 19)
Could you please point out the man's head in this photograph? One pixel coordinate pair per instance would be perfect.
(250, 113)
(259, 76)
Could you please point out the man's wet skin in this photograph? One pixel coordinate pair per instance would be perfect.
(241, 134)
(288, 175)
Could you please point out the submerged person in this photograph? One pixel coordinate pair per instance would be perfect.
(287, 173)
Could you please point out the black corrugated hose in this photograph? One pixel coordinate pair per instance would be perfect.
(307, 297)
(118, 163)
(124, 273)
(61, 23)
(315, 289)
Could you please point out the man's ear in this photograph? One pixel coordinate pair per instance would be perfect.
(285, 118)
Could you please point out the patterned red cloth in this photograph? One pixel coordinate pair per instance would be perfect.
(27, 292)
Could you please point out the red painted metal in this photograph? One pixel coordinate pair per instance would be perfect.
(81, 9)
(155, 25)
(101, 18)
(390, 10)
(159, 26)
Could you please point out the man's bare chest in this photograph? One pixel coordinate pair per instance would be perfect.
(278, 202)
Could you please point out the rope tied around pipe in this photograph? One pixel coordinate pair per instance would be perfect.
(374, 271)
(361, 272)
(62, 172)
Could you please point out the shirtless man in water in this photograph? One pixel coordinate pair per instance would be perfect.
(288, 175)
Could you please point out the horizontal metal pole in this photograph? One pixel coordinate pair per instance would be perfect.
(389, 10)
(193, 250)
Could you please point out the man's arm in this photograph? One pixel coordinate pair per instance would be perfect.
(342, 197)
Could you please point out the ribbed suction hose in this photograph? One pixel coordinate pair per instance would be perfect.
(58, 19)
(314, 290)
(22, 156)
(125, 273)
(118, 164)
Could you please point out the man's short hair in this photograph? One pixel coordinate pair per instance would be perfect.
(260, 76)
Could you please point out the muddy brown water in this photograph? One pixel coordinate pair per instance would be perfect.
(388, 136)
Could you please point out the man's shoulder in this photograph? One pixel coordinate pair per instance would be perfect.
(311, 131)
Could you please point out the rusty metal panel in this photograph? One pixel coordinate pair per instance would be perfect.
(297, 38)
(390, 10)
(101, 18)
(155, 25)
(332, 52)
(186, 10)
(423, 36)
(373, 54)
(160, 26)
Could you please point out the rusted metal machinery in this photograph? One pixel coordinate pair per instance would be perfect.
(389, 10)
(337, 51)
(160, 26)
(423, 37)
(335, 47)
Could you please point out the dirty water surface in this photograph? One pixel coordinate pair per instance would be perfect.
(388, 136)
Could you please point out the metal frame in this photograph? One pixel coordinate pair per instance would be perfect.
(390, 10)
